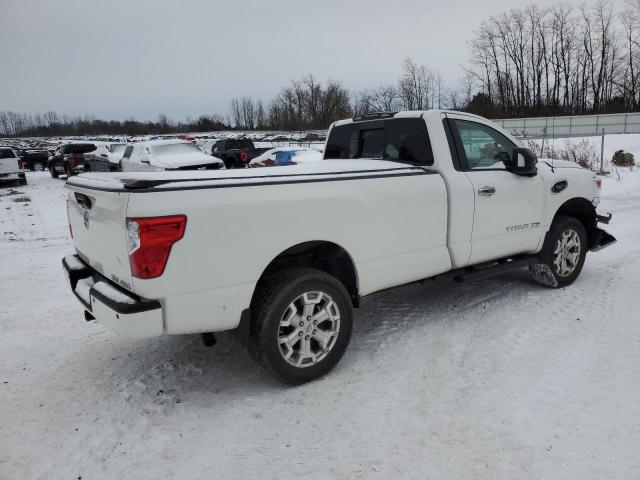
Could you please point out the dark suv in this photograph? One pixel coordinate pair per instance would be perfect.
(236, 152)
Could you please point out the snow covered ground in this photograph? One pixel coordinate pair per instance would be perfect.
(501, 379)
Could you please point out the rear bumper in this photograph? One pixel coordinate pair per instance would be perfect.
(119, 310)
(10, 177)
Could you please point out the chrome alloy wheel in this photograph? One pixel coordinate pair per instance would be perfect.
(566, 254)
(309, 329)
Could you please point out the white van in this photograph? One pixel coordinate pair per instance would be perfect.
(11, 166)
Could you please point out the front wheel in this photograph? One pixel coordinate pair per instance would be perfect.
(563, 254)
(301, 324)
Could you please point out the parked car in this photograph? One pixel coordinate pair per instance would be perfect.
(34, 159)
(159, 155)
(74, 158)
(113, 152)
(285, 258)
(286, 156)
(236, 152)
(11, 166)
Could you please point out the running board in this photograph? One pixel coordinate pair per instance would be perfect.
(471, 274)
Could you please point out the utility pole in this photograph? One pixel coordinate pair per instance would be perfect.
(602, 153)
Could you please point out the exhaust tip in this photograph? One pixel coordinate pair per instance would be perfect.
(208, 339)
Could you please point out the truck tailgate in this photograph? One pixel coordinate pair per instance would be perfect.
(9, 165)
(98, 224)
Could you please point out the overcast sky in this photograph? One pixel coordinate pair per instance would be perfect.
(121, 58)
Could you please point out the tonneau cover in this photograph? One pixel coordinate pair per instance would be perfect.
(325, 170)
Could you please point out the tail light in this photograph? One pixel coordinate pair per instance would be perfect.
(598, 183)
(244, 156)
(150, 240)
(20, 164)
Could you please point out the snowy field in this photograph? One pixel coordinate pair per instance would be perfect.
(612, 143)
(502, 379)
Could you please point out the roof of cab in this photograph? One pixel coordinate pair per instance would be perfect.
(401, 114)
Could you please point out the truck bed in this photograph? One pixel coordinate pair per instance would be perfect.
(373, 208)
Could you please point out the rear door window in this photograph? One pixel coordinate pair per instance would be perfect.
(6, 153)
(398, 140)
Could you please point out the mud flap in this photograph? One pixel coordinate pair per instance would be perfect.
(543, 275)
(601, 240)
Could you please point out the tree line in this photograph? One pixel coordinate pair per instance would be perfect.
(50, 124)
(307, 104)
(533, 61)
(558, 60)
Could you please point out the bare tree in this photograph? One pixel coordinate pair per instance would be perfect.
(164, 122)
(235, 112)
(415, 85)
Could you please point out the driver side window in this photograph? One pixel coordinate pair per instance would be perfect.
(484, 147)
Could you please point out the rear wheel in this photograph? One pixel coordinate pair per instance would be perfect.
(54, 173)
(38, 166)
(563, 254)
(301, 325)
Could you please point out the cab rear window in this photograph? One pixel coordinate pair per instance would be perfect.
(398, 140)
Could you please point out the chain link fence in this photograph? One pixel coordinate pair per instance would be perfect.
(574, 126)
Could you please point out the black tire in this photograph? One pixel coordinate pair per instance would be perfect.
(37, 166)
(22, 181)
(54, 173)
(273, 300)
(550, 271)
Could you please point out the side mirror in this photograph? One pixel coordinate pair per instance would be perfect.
(523, 162)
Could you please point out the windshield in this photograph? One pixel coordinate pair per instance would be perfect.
(119, 147)
(175, 149)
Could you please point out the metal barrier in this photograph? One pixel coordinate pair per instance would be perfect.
(573, 126)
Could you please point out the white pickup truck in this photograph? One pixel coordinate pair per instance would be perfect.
(285, 254)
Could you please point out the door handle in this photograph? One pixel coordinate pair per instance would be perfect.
(486, 191)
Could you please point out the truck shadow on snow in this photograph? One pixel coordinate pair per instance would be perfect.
(168, 371)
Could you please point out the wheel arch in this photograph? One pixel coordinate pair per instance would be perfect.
(582, 210)
(323, 255)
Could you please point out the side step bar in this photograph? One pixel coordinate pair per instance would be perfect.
(495, 268)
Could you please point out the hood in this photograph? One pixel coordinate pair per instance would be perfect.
(182, 160)
(559, 163)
